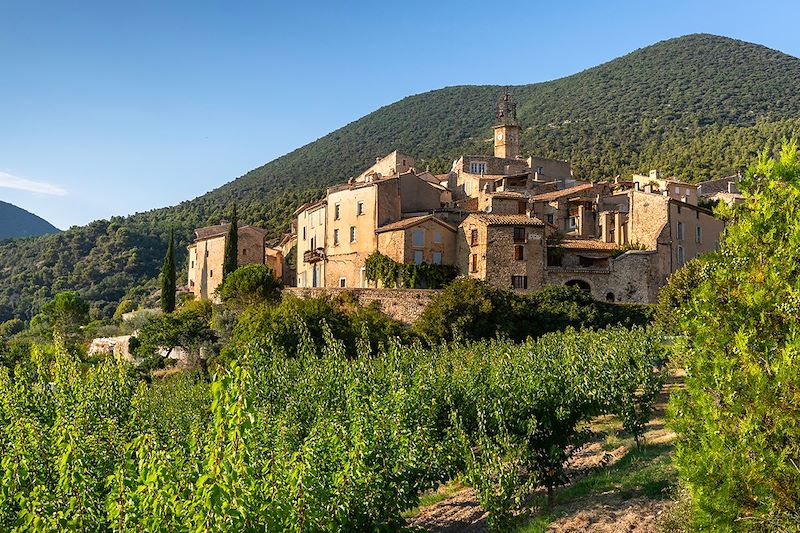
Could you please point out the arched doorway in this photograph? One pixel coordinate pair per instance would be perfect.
(583, 285)
(609, 296)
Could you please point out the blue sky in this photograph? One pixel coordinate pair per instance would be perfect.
(109, 108)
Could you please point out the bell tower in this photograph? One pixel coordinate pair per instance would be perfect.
(506, 130)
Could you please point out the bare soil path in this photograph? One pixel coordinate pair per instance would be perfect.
(587, 504)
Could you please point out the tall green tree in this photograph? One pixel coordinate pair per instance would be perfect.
(168, 276)
(231, 260)
(738, 419)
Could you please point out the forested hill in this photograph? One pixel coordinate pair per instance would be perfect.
(16, 222)
(697, 106)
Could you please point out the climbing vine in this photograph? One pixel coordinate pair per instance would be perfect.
(392, 274)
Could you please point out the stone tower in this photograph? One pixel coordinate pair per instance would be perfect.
(506, 130)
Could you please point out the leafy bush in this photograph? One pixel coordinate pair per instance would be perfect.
(318, 442)
(737, 420)
(249, 285)
(472, 309)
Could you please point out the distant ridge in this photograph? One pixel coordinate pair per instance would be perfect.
(16, 222)
(698, 107)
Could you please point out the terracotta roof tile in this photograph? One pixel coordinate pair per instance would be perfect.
(563, 192)
(222, 229)
(507, 220)
(409, 222)
(588, 244)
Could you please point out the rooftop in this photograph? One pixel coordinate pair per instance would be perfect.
(219, 230)
(507, 220)
(571, 191)
(588, 244)
(411, 221)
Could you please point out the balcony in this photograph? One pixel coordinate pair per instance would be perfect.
(312, 256)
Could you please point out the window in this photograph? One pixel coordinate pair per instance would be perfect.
(244, 252)
(337, 211)
(477, 167)
(210, 273)
(698, 235)
(352, 234)
(550, 218)
(609, 296)
(437, 237)
(679, 209)
(519, 252)
(681, 258)
(519, 282)
(336, 237)
(206, 253)
(418, 237)
(418, 257)
(473, 267)
(540, 170)
(437, 258)
(321, 218)
(522, 207)
(342, 283)
(680, 231)
(304, 233)
(573, 222)
(359, 208)
(192, 265)
(473, 237)
(519, 234)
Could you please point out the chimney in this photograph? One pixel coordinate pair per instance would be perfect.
(648, 188)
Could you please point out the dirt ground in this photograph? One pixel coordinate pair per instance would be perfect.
(602, 513)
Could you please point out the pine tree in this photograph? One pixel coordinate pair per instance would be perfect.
(231, 260)
(168, 276)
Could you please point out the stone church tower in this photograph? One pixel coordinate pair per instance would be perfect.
(506, 131)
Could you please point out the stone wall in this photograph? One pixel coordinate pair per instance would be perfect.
(633, 277)
(404, 305)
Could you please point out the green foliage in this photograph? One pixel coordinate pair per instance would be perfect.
(472, 309)
(697, 107)
(392, 274)
(230, 261)
(63, 316)
(737, 420)
(318, 442)
(125, 306)
(677, 293)
(249, 285)
(188, 328)
(292, 323)
(168, 277)
(11, 327)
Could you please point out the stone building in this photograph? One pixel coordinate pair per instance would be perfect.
(513, 222)
(337, 234)
(723, 189)
(507, 251)
(207, 255)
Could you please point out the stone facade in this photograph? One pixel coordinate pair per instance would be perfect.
(404, 305)
(507, 251)
(207, 255)
(423, 239)
(355, 215)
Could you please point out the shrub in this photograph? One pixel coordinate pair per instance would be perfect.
(737, 420)
(249, 285)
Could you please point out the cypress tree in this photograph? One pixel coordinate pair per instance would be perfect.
(231, 260)
(168, 277)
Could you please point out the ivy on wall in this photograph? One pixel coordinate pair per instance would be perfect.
(392, 274)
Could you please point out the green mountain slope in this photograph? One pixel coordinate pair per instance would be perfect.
(698, 106)
(16, 222)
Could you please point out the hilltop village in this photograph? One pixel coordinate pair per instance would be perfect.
(515, 222)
